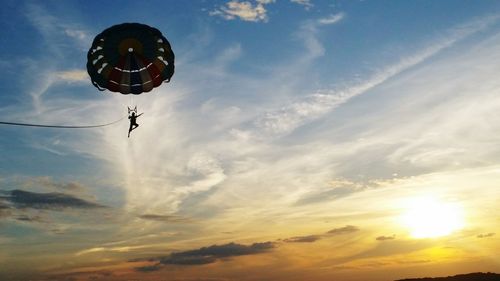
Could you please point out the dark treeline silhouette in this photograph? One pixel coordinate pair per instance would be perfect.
(479, 276)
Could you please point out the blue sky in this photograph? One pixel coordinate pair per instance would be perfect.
(294, 135)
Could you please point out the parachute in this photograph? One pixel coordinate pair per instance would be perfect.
(130, 58)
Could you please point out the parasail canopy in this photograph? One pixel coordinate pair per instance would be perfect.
(130, 58)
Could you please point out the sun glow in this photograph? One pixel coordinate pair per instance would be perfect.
(429, 217)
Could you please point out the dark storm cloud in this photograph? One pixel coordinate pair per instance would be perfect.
(163, 218)
(188, 260)
(486, 235)
(303, 239)
(207, 255)
(54, 200)
(212, 253)
(384, 238)
(343, 230)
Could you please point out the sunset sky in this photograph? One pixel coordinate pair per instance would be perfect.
(298, 140)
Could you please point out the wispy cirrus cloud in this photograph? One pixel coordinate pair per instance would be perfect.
(116, 249)
(74, 75)
(337, 189)
(49, 67)
(332, 19)
(309, 31)
(306, 3)
(311, 107)
(82, 36)
(56, 31)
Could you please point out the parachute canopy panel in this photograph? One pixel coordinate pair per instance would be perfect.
(130, 58)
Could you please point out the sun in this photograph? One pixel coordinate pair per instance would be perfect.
(429, 217)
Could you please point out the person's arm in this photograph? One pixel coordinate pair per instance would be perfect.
(140, 114)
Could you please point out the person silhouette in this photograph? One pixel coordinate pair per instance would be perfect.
(133, 122)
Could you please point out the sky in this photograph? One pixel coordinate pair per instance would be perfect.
(297, 140)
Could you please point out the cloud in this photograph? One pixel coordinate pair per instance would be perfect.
(59, 38)
(315, 237)
(30, 219)
(226, 57)
(149, 268)
(78, 34)
(384, 238)
(41, 208)
(341, 188)
(287, 118)
(332, 19)
(328, 195)
(214, 252)
(486, 235)
(291, 116)
(303, 239)
(163, 218)
(309, 31)
(211, 254)
(244, 10)
(343, 230)
(75, 75)
(120, 249)
(188, 260)
(306, 3)
(56, 30)
(53, 201)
